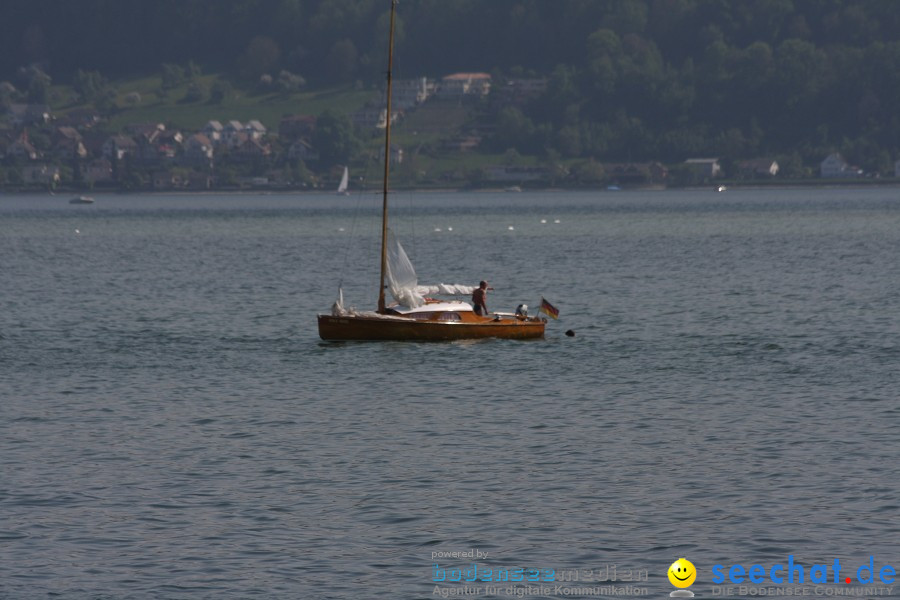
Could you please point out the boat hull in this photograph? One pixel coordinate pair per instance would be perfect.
(361, 328)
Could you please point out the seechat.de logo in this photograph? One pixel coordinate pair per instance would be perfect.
(793, 572)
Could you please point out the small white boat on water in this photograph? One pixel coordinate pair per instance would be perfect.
(81, 200)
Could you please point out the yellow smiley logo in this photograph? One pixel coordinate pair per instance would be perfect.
(682, 573)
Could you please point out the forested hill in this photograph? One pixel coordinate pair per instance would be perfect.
(634, 79)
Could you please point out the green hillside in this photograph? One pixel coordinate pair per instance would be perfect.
(174, 110)
(628, 80)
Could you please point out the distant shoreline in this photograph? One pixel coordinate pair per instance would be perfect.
(729, 185)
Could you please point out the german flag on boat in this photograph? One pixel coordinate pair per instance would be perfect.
(548, 309)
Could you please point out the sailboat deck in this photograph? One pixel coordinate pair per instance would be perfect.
(424, 326)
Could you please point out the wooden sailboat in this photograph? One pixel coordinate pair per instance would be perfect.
(416, 318)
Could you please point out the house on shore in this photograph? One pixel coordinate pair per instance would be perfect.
(23, 115)
(213, 131)
(68, 144)
(198, 151)
(458, 85)
(99, 170)
(396, 154)
(409, 93)
(303, 150)
(294, 127)
(22, 149)
(117, 147)
(834, 166)
(707, 167)
(40, 173)
(518, 92)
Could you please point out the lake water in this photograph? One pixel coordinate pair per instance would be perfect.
(172, 427)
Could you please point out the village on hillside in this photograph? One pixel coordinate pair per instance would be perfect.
(41, 150)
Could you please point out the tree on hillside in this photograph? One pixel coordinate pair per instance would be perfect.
(514, 130)
(172, 76)
(38, 90)
(196, 92)
(334, 139)
(220, 91)
(106, 101)
(37, 82)
(341, 61)
(89, 85)
(260, 57)
(660, 79)
(289, 82)
(8, 93)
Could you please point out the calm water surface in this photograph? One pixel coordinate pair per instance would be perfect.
(172, 427)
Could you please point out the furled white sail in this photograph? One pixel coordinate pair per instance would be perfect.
(337, 309)
(403, 282)
(445, 289)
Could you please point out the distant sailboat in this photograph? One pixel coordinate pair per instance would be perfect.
(345, 181)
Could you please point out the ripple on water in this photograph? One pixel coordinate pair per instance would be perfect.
(172, 427)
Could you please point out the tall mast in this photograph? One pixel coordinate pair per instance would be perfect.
(387, 163)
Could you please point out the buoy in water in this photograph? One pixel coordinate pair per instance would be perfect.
(570, 333)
